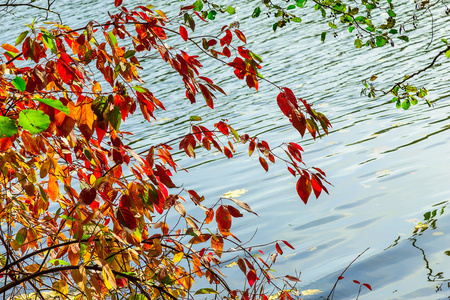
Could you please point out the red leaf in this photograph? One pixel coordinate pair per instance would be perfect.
(263, 163)
(284, 104)
(126, 219)
(122, 282)
(65, 71)
(295, 153)
(222, 127)
(251, 277)
(183, 33)
(87, 196)
(245, 53)
(234, 212)
(367, 286)
(226, 40)
(356, 281)
(227, 152)
(341, 277)
(289, 245)
(304, 188)
(316, 186)
(297, 146)
(212, 42)
(117, 2)
(278, 249)
(226, 52)
(291, 170)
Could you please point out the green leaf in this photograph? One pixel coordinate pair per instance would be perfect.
(359, 19)
(19, 83)
(55, 103)
(21, 37)
(381, 41)
(231, 10)
(332, 25)
(212, 15)
(256, 12)
(351, 28)
(398, 104)
(115, 118)
(275, 26)
(291, 7)
(255, 56)
(301, 3)
(129, 53)
(198, 5)
(414, 101)
(447, 53)
(139, 88)
(393, 31)
(35, 121)
(406, 104)
(444, 41)
(358, 43)
(322, 36)
(195, 118)
(57, 262)
(206, 291)
(404, 38)
(50, 42)
(112, 38)
(296, 19)
(391, 13)
(8, 127)
(21, 236)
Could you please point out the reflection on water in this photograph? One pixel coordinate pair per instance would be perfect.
(387, 165)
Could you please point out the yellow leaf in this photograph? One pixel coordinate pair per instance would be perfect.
(235, 193)
(177, 257)
(108, 277)
(310, 292)
(61, 286)
(161, 13)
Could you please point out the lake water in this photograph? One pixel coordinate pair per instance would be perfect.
(388, 167)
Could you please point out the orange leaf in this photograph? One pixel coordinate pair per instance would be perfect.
(223, 219)
(240, 35)
(53, 188)
(217, 245)
(11, 48)
(209, 215)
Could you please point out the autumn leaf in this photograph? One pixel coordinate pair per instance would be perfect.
(87, 196)
(223, 219)
(183, 33)
(304, 188)
(126, 219)
(251, 277)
